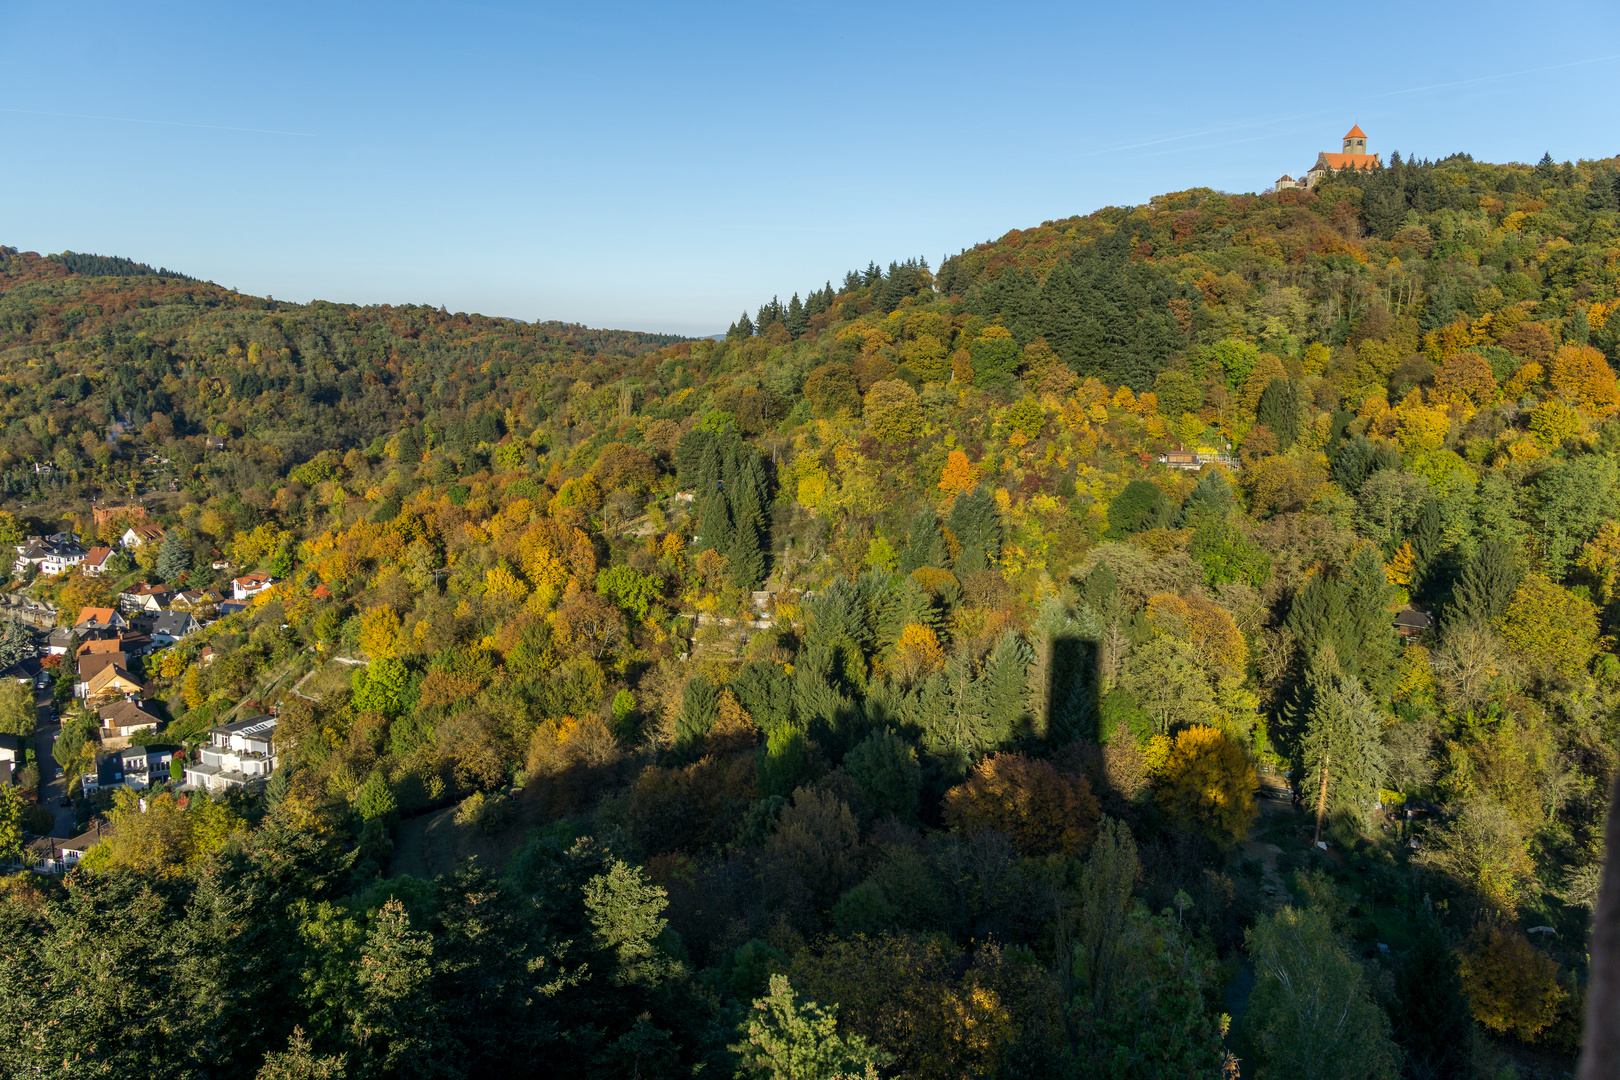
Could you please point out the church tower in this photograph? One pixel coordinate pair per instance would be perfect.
(1355, 141)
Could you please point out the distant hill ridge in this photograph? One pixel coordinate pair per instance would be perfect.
(112, 266)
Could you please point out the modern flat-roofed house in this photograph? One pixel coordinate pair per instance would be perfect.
(56, 644)
(250, 585)
(144, 765)
(237, 754)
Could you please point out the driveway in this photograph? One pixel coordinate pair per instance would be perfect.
(51, 789)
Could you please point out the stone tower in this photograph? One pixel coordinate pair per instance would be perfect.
(1355, 141)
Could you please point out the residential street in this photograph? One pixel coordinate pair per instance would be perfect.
(51, 789)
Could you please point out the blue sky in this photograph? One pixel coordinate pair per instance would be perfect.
(663, 166)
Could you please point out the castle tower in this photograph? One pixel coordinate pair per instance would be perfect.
(1355, 141)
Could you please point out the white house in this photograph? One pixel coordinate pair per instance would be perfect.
(55, 554)
(136, 535)
(237, 754)
(250, 585)
(95, 561)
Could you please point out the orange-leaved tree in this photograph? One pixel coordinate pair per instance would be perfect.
(1465, 378)
(959, 474)
(1041, 810)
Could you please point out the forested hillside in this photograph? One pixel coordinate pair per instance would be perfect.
(885, 689)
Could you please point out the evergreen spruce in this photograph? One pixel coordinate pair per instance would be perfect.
(925, 543)
(174, 558)
(976, 523)
(1486, 585)
(1431, 1017)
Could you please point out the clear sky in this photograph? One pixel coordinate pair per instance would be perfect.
(662, 166)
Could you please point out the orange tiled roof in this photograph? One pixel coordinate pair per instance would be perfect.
(1355, 133)
(1350, 161)
(100, 614)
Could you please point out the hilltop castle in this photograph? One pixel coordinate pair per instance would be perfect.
(1355, 156)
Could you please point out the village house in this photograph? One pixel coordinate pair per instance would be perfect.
(29, 670)
(56, 644)
(49, 855)
(124, 718)
(98, 622)
(236, 755)
(92, 665)
(55, 554)
(197, 601)
(250, 585)
(144, 597)
(136, 535)
(11, 748)
(171, 626)
(95, 561)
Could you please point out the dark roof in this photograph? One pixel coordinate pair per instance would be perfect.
(10, 742)
(1412, 617)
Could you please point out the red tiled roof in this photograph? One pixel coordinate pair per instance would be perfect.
(97, 555)
(1355, 133)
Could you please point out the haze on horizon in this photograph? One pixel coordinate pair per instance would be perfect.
(644, 167)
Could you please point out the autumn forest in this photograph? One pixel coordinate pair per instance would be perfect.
(1176, 641)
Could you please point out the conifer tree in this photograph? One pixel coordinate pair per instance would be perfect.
(798, 320)
(1486, 585)
(1344, 756)
(976, 524)
(1431, 1018)
(1211, 498)
(700, 708)
(174, 558)
(1279, 409)
(925, 543)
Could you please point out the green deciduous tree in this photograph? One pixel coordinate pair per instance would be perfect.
(18, 713)
(1310, 1015)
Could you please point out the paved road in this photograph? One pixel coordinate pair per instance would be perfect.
(51, 789)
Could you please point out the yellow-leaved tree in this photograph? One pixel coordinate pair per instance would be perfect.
(1551, 628)
(379, 632)
(1205, 781)
(1581, 376)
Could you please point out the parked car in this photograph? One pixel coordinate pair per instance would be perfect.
(59, 773)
